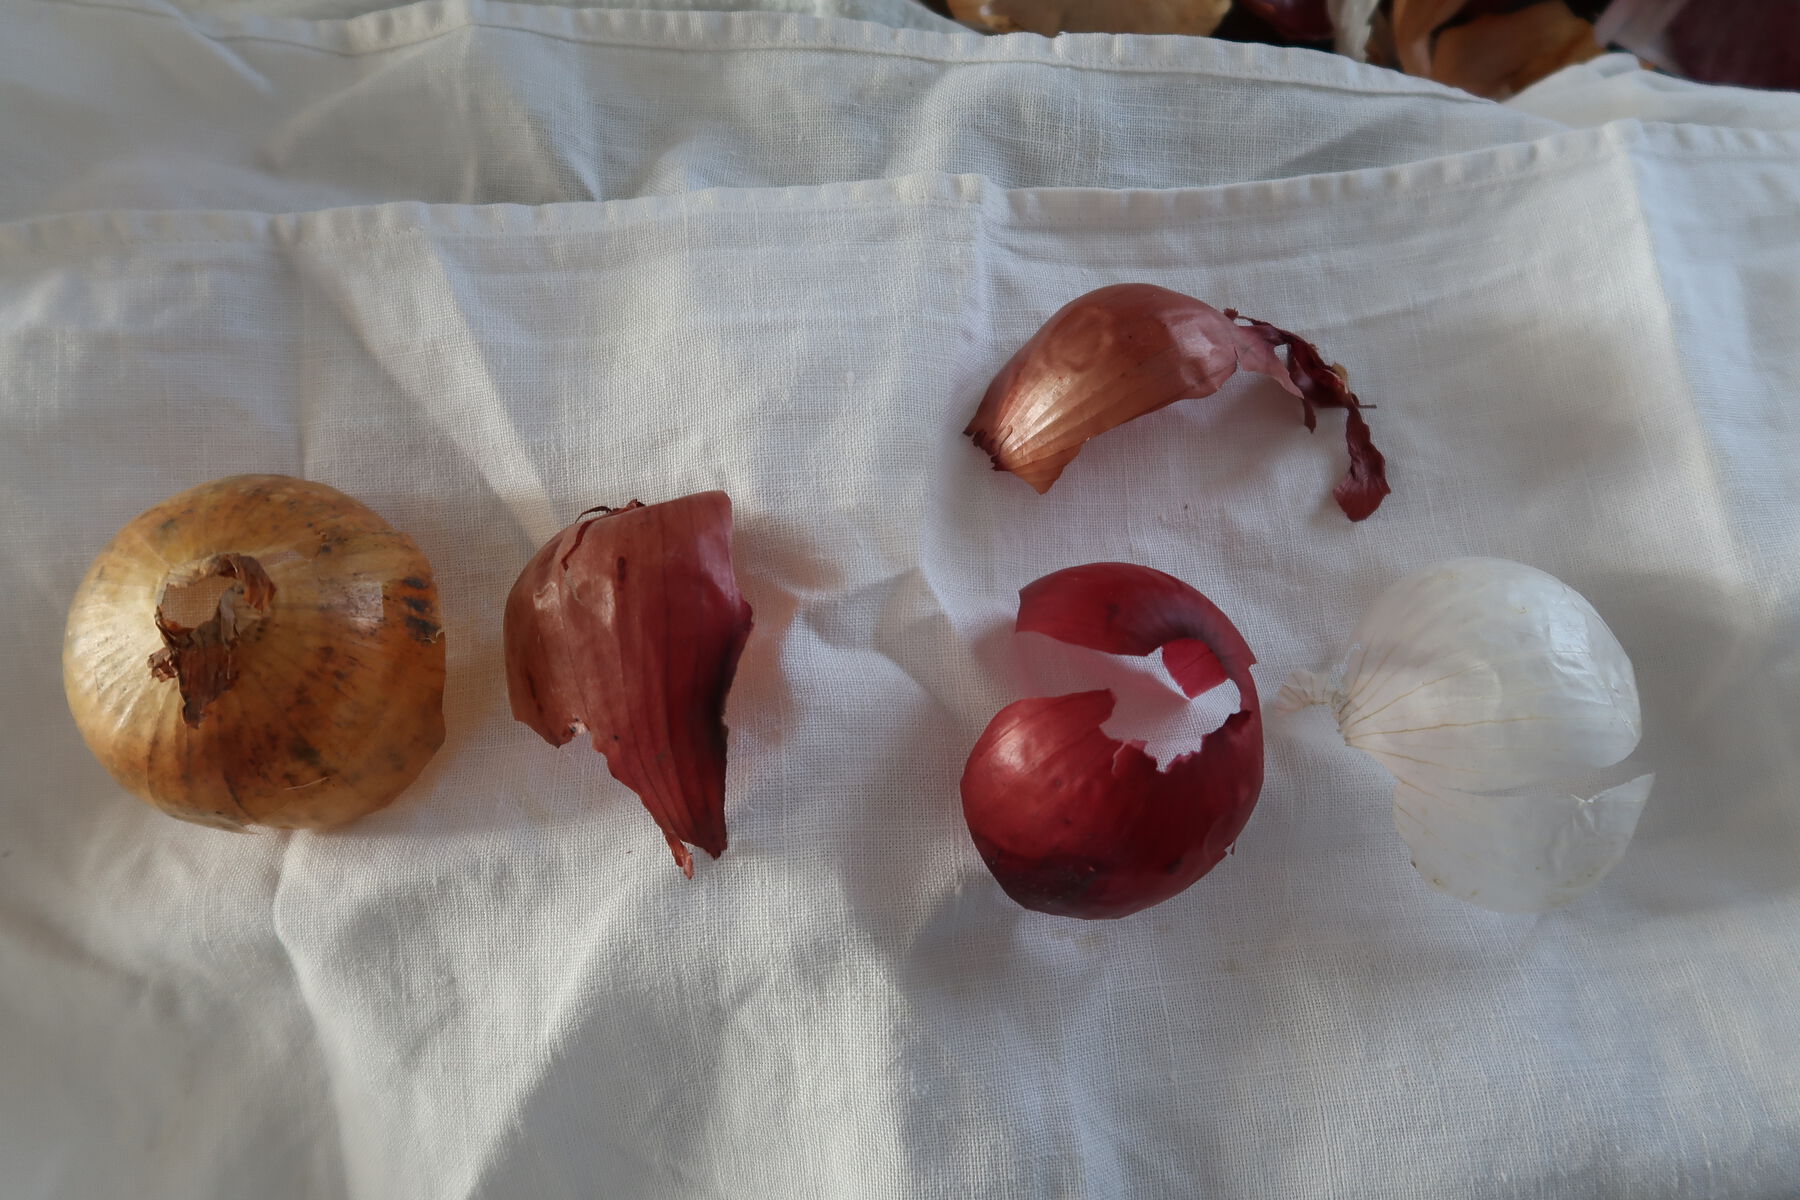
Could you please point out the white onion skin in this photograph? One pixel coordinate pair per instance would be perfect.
(338, 702)
(1481, 674)
(1488, 689)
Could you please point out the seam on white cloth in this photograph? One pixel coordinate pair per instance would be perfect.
(385, 222)
(689, 30)
(1041, 205)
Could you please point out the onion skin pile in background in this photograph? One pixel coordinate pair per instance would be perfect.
(1493, 48)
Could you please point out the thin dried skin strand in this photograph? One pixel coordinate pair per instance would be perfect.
(1301, 20)
(1072, 821)
(201, 658)
(1317, 384)
(1129, 349)
(629, 625)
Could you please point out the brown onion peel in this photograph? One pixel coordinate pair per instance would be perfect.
(1128, 349)
(629, 625)
(1415, 24)
(259, 650)
(1499, 54)
(1074, 822)
(1194, 18)
(203, 658)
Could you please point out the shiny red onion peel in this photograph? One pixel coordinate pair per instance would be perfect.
(1125, 350)
(1074, 822)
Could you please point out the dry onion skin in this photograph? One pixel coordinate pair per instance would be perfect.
(1297, 20)
(1499, 54)
(628, 626)
(1491, 691)
(1195, 18)
(259, 650)
(1119, 352)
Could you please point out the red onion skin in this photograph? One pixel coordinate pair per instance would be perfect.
(1299, 20)
(1074, 822)
(1748, 43)
(630, 625)
(1122, 351)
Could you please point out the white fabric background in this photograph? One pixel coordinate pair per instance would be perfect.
(1583, 346)
(458, 101)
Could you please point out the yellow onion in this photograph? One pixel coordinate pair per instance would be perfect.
(259, 650)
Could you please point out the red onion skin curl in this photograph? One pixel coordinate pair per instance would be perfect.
(1125, 350)
(1074, 822)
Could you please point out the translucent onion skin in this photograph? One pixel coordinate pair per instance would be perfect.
(1489, 690)
(332, 701)
(1484, 674)
(1076, 823)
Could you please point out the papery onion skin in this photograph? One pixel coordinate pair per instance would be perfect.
(1560, 845)
(335, 698)
(1486, 687)
(1074, 822)
(1497, 55)
(1744, 43)
(1354, 22)
(1194, 18)
(629, 624)
(1301, 20)
(1504, 667)
(1128, 349)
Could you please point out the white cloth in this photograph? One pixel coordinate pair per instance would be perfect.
(1614, 88)
(461, 102)
(1583, 346)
